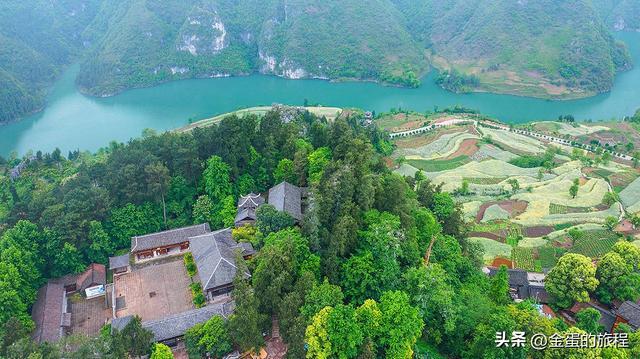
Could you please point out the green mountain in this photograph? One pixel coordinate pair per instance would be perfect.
(150, 41)
(620, 15)
(37, 37)
(544, 48)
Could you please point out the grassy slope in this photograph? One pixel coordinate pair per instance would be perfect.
(36, 38)
(352, 39)
(520, 47)
(619, 14)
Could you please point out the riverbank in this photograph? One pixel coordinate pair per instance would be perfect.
(330, 113)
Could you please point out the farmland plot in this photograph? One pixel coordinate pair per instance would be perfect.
(557, 191)
(443, 147)
(630, 196)
(492, 249)
(515, 141)
(595, 244)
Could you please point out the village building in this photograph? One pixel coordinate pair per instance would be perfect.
(52, 312)
(629, 313)
(215, 257)
(524, 285)
(247, 207)
(166, 243)
(607, 318)
(288, 198)
(119, 264)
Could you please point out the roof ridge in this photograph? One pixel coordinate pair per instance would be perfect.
(212, 273)
(171, 230)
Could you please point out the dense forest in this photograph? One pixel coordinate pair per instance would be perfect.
(379, 268)
(511, 47)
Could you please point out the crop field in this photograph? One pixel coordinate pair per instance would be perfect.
(438, 165)
(528, 225)
(595, 244)
(446, 145)
(401, 121)
(560, 209)
(517, 142)
(630, 196)
(524, 258)
(485, 180)
(493, 249)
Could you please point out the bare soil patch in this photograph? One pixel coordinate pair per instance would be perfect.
(514, 207)
(498, 261)
(489, 235)
(468, 148)
(537, 231)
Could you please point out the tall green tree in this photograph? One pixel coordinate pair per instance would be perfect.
(571, 280)
(161, 351)
(400, 323)
(101, 246)
(217, 180)
(246, 323)
(500, 286)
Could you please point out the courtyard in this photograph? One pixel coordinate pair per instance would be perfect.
(154, 290)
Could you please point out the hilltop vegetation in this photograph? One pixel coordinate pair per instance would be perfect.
(380, 267)
(619, 14)
(37, 37)
(537, 48)
(550, 49)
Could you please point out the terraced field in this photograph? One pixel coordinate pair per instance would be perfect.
(534, 233)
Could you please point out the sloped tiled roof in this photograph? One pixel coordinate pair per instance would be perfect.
(119, 261)
(47, 313)
(215, 258)
(119, 323)
(166, 238)
(630, 312)
(245, 214)
(176, 325)
(251, 200)
(286, 197)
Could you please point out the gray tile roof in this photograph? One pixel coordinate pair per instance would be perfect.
(119, 261)
(286, 197)
(119, 323)
(245, 214)
(251, 200)
(214, 254)
(47, 313)
(630, 312)
(174, 236)
(176, 325)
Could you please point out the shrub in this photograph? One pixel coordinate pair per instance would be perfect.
(190, 264)
(197, 294)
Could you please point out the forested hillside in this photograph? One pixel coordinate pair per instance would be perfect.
(619, 14)
(37, 37)
(537, 48)
(550, 49)
(379, 268)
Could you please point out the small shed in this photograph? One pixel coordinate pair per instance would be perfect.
(119, 264)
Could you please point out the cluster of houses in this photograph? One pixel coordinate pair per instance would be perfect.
(214, 252)
(525, 285)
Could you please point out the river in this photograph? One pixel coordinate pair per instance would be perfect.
(74, 121)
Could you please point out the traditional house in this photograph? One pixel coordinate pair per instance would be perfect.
(50, 312)
(607, 318)
(119, 264)
(171, 329)
(215, 257)
(629, 313)
(247, 207)
(524, 285)
(175, 241)
(286, 197)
